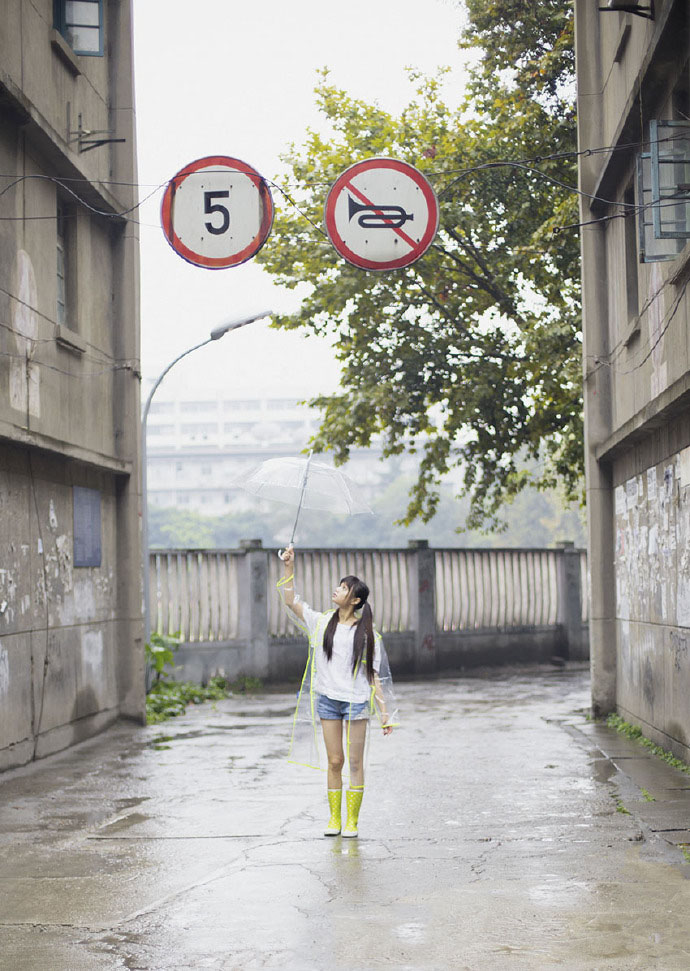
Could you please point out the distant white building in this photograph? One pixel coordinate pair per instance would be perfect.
(197, 445)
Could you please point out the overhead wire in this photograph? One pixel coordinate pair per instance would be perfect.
(526, 164)
(51, 320)
(656, 338)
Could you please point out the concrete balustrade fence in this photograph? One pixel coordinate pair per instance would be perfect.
(439, 610)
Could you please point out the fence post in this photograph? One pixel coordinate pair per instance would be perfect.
(252, 583)
(422, 594)
(570, 599)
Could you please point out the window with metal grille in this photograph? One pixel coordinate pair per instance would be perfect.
(670, 172)
(654, 213)
(81, 24)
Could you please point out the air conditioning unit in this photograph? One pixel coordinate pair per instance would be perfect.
(626, 6)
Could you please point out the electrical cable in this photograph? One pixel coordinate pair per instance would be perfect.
(98, 212)
(318, 228)
(37, 723)
(523, 164)
(125, 366)
(666, 323)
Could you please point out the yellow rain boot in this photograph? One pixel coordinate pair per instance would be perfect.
(334, 802)
(353, 801)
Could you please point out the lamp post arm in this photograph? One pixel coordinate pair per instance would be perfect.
(145, 413)
(216, 334)
(144, 489)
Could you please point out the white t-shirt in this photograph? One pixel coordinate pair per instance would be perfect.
(334, 678)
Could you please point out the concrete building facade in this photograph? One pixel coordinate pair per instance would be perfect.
(199, 442)
(71, 650)
(634, 108)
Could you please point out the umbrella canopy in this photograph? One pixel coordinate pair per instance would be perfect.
(304, 483)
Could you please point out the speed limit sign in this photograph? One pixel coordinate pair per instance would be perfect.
(217, 212)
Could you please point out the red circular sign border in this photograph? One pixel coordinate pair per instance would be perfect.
(329, 213)
(217, 262)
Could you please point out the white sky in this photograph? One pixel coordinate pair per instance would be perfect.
(229, 78)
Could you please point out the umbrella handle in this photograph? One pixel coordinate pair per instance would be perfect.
(301, 498)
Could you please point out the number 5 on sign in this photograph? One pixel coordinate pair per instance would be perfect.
(217, 212)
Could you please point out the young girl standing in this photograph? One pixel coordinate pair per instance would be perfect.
(345, 674)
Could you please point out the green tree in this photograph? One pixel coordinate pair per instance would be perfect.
(179, 529)
(472, 355)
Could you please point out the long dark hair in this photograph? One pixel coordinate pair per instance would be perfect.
(364, 629)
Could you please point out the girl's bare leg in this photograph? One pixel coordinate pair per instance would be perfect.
(333, 737)
(357, 738)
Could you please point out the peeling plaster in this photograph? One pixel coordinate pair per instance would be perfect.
(64, 561)
(4, 672)
(25, 376)
(52, 518)
(92, 657)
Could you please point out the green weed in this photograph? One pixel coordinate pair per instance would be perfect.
(167, 699)
(635, 733)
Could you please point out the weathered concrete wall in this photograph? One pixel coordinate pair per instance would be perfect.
(71, 649)
(58, 643)
(652, 510)
(636, 316)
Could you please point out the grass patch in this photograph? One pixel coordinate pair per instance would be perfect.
(635, 733)
(647, 795)
(620, 808)
(685, 847)
(168, 699)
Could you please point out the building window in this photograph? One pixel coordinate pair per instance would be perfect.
(61, 309)
(66, 266)
(199, 428)
(652, 249)
(196, 406)
(242, 404)
(162, 408)
(280, 404)
(81, 24)
(631, 259)
(670, 172)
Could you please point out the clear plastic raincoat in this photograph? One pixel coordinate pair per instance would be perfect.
(306, 742)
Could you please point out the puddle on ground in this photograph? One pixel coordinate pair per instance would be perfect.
(602, 770)
(130, 802)
(133, 819)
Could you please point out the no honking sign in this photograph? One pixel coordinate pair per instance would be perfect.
(381, 214)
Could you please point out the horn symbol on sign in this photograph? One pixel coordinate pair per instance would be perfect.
(378, 217)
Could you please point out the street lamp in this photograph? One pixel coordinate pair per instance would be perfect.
(216, 334)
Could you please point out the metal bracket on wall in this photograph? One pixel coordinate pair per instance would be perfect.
(88, 139)
(635, 8)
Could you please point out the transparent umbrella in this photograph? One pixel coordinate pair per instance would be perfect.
(301, 482)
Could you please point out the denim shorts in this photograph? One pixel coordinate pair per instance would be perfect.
(332, 709)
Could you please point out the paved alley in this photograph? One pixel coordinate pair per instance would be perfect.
(499, 829)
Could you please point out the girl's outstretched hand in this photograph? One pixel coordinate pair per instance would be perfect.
(288, 556)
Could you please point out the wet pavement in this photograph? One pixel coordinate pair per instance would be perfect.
(499, 830)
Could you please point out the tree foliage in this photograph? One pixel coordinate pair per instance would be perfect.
(472, 355)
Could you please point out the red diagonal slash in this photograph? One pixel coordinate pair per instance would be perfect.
(379, 212)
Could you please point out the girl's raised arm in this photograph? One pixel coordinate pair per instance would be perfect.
(288, 583)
